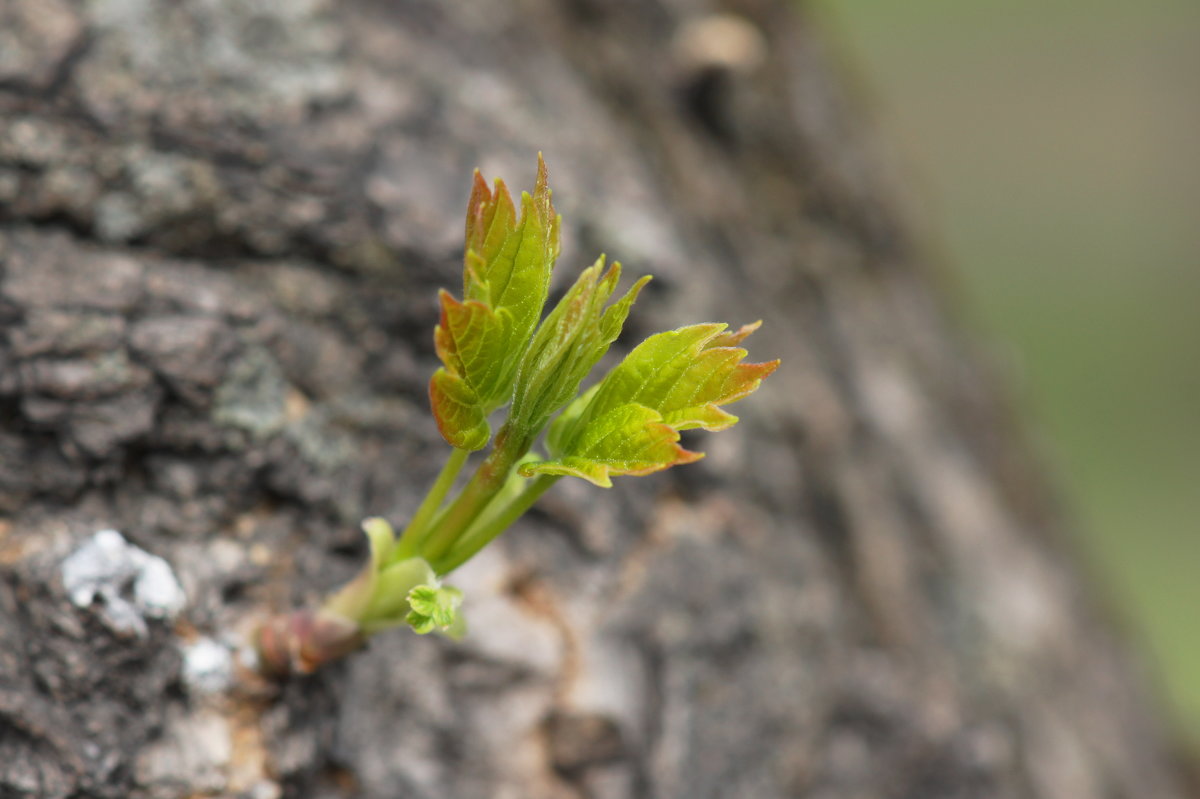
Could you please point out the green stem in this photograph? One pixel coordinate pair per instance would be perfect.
(480, 489)
(414, 533)
(479, 536)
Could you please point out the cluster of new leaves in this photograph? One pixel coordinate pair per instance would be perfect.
(434, 607)
(627, 424)
(506, 277)
(494, 353)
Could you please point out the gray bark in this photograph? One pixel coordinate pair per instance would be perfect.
(223, 226)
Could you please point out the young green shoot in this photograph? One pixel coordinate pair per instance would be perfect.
(498, 351)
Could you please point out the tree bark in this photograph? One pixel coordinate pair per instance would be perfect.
(223, 226)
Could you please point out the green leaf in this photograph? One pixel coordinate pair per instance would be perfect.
(457, 628)
(629, 423)
(629, 439)
(434, 607)
(564, 425)
(506, 277)
(569, 342)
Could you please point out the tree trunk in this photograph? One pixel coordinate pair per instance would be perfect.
(223, 229)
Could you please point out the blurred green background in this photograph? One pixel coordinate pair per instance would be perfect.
(1056, 145)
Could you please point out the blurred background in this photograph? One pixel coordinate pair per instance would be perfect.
(1055, 149)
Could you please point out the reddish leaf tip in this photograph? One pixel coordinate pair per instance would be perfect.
(447, 302)
(766, 368)
(479, 185)
(734, 337)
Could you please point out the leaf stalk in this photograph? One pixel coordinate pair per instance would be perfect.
(479, 491)
(417, 529)
(477, 537)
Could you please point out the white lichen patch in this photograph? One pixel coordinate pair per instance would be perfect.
(207, 666)
(130, 583)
